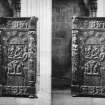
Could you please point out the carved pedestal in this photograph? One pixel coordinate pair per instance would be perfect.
(88, 56)
(18, 56)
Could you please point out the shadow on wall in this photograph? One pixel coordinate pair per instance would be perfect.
(5, 9)
(62, 13)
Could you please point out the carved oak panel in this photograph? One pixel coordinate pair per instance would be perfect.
(18, 42)
(88, 56)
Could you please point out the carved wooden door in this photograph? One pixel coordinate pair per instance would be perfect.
(18, 56)
(88, 56)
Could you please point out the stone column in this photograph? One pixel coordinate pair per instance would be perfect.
(100, 8)
(43, 10)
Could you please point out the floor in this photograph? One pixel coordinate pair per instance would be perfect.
(59, 97)
(16, 101)
(23, 101)
(63, 97)
(41, 100)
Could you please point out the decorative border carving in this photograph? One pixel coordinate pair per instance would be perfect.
(75, 57)
(18, 23)
(88, 23)
(93, 90)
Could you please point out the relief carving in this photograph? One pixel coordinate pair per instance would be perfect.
(75, 42)
(14, 90)
(87, 23)
(17, 90)
(92, 67)
(75, 55)
(95, 52)
(17, 54)
(16, 24)
(93, 90)
(94, 55)
(102, 53)
(88, 51)
(31, 57)
(92, 52)
(88, 55)
(15, 67)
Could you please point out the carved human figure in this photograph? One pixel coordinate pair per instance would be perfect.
(96, 68)
(12, 67)
(95, 52)
(18, 51)
(102, 53)
(10, 51)
(88, 51)
(19, 68)
(15, 67)
(92, 67)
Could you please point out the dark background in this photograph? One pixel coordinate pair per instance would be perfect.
(62, 13)
(9, 8)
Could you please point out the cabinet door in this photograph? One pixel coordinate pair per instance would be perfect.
(19, 51)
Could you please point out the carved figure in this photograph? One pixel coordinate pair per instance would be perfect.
(19, 54)
(92, 67)
(92, 52)
(15, 67)
(88, 51)
(95, 52)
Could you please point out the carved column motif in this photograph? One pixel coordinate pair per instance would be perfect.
(1, 62)
(75, 56)
(32, 60)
